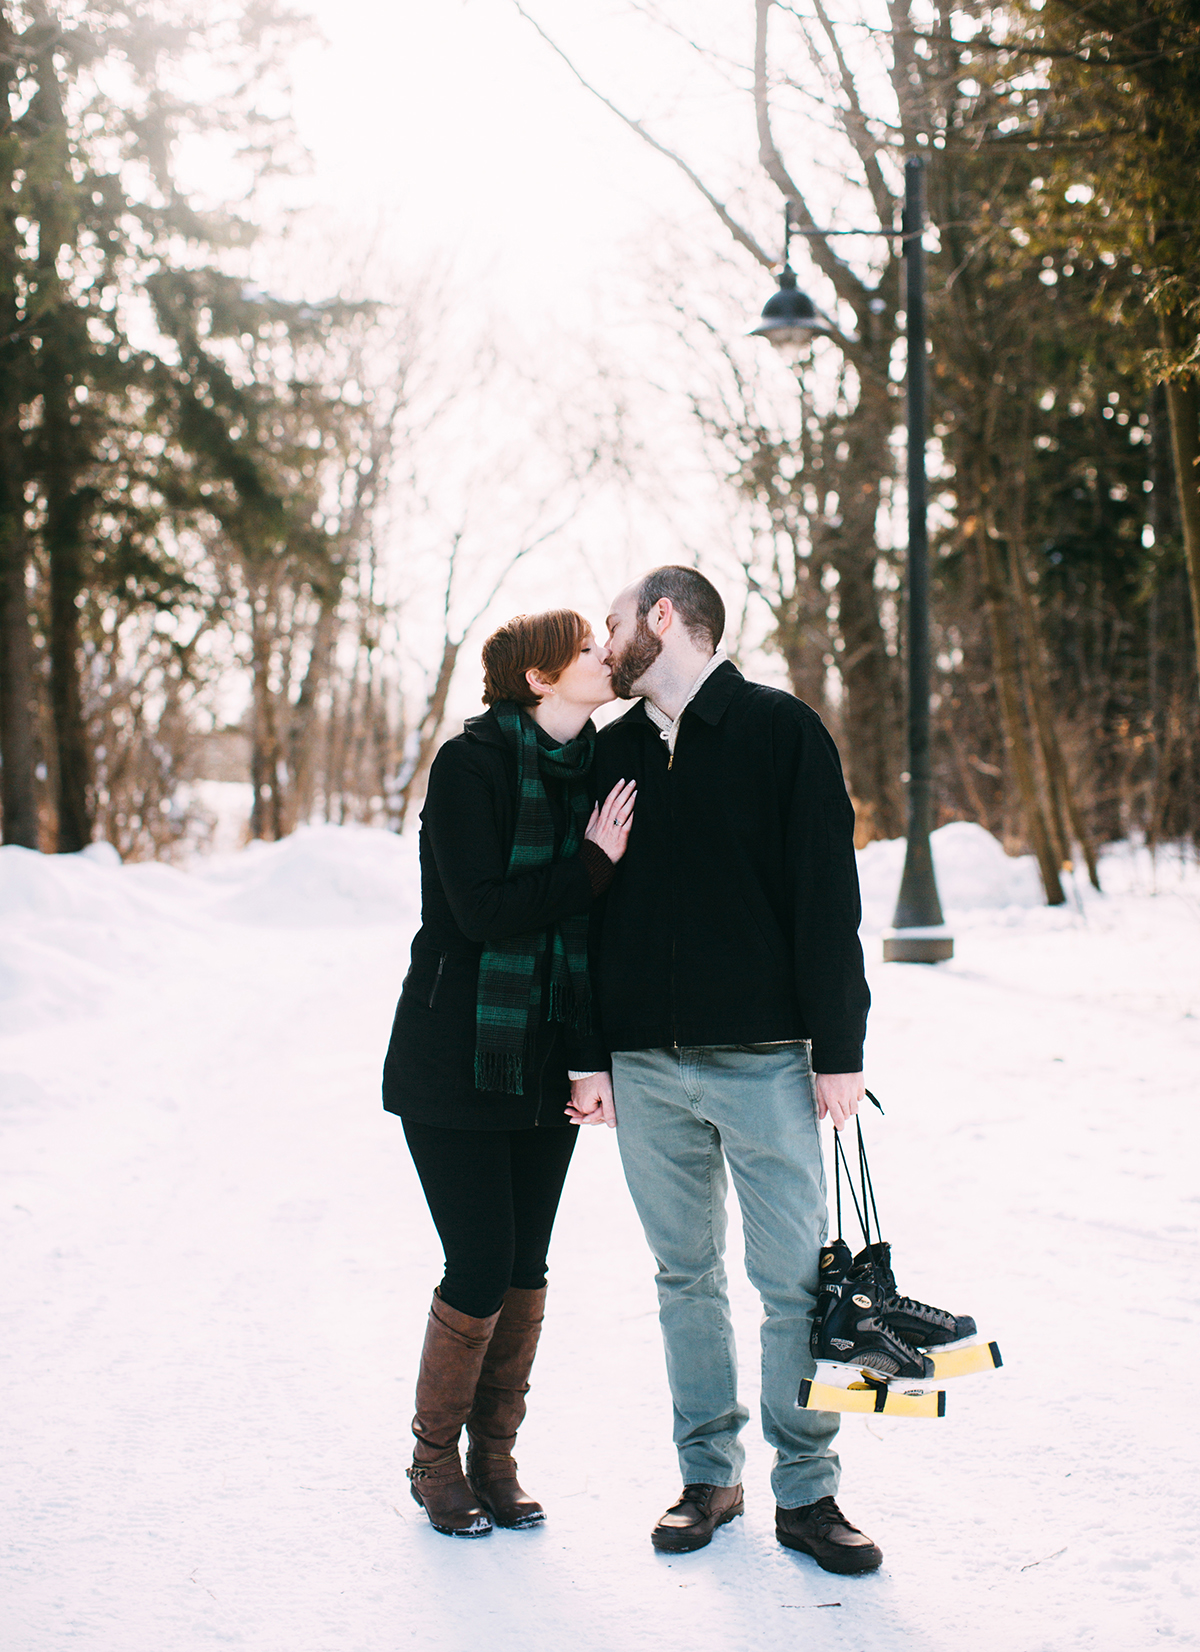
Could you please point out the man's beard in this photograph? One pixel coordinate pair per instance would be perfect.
(635, 659)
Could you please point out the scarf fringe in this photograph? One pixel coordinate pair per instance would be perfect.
(566, 1007)
(499, 1072)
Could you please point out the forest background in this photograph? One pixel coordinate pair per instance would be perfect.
(273, 454)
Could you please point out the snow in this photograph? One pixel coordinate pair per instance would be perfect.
(219, 1262)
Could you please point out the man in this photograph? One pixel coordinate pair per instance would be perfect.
(725, 951)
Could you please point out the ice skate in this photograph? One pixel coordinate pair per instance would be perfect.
(849, 1332)
(917, 1322)
(875, 1350)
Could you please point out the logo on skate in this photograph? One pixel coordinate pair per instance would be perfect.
(861, 1301)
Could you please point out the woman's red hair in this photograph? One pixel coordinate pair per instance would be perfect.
(546, 643)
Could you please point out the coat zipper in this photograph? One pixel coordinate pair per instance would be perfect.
(674, 897)
(541, 1102)
(437, 980)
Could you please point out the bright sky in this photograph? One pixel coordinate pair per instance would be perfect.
(455, 124)
(450, 133)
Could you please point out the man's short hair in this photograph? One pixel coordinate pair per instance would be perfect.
(694, 598)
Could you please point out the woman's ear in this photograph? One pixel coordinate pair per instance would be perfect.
(538, 683)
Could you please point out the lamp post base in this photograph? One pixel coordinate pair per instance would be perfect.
(917, 946)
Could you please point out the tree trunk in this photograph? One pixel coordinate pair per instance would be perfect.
(304, 730)
(59, 364)
(265, 821)
(1063, 801)
(805, 664)
(428, 730)
(1009, 691)
(18, 796)
(68, 508)
(65, 517)
(1183, 406)
(870, 713)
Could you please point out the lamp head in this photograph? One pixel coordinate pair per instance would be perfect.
(789, 317)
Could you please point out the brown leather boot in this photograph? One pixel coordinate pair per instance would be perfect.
(822, 1530)
(455, 1345)
(499, 1410)
(690, 1523)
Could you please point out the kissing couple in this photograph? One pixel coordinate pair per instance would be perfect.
(653, 927)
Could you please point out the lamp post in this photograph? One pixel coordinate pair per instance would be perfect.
(789, 319)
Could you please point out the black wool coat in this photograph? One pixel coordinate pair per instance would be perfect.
(733, 916)
(467, 899)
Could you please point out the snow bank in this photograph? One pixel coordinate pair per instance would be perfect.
(75, 924)
(325, 875)
(75, 930)
(71, 927)
(320, 875)
(973, 875)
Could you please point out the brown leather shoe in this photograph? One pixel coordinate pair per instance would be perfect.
(821, 1530)
(498, 1410)
(455, 1344)
(690, 1523)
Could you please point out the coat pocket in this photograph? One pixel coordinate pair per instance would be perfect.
(424, 982)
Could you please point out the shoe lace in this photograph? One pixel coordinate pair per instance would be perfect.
(827, 1515)
(697, 1496)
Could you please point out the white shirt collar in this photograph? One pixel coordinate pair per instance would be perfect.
(667, 727)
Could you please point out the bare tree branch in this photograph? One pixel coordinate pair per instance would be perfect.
(846, 283)
(739, 233)
(517, 556)
(856, 127)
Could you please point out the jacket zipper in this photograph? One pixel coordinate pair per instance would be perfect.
(674, 896)
(537, 1117)
(437, 980)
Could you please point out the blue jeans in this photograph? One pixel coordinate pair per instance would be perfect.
(682, 1116)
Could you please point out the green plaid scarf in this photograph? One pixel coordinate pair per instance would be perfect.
(509, 999)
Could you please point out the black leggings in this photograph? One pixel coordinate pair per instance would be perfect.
(493, 1196)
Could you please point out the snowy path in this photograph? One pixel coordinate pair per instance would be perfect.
(218, 1262)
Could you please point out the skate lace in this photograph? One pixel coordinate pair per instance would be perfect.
(920, 1310)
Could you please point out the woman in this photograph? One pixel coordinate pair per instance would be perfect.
(494, 1012)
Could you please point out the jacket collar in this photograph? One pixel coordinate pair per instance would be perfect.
(710, 702)
(713, 696)
(485, 727)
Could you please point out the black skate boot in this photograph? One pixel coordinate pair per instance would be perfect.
(849, 1329)
(835, 1263)
(916, 1322)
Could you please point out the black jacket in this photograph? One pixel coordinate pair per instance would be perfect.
(467, 899)
(733, 916)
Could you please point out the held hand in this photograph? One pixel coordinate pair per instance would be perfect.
(592, 1100)
(609, 825)
(838, 1095)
